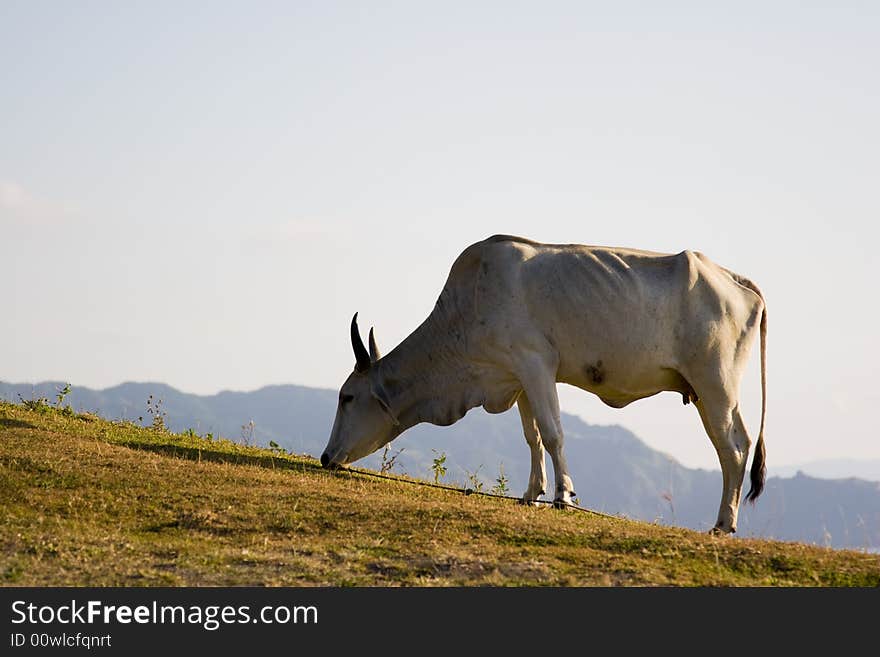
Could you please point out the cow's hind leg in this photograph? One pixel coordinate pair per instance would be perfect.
(724, 424)
(538, 477)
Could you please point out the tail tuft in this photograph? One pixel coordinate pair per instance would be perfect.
(759, 471)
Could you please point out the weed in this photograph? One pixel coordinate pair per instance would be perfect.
(276, 448)
(62, 393)
(247, 433)
(154, 408)
(388, 462)
(438, 466)
(39, 404)
(476, 484)
(501, 482)
(667, 495)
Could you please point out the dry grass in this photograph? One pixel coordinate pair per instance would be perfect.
(89, 502)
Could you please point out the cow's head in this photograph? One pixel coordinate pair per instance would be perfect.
(364, 420)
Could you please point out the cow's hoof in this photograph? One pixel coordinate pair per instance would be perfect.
(720, 531)
(527, 502)
(563, 504)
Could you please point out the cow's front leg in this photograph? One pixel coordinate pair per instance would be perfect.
(538, 476)
(540, 387)
(564, 487)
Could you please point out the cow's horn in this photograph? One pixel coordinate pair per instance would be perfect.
(362, 358)
(374, 350)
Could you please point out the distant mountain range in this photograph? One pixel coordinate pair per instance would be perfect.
(613, 470)
(834, 469)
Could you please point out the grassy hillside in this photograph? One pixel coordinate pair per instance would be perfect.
(90, 502)
(613, 469)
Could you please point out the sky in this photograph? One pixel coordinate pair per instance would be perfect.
(203, 194)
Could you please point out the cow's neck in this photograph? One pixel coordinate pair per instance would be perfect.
(428, 377)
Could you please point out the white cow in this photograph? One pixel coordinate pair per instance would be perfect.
(516, 316)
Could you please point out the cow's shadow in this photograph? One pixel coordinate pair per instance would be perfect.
(197, 454)
(10, 423)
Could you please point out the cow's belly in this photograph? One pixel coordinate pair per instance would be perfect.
(619, 382)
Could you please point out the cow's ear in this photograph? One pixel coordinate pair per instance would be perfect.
(381, 396)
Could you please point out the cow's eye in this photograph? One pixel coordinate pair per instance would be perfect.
(344, 399)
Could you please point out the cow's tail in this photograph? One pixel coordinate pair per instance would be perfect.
(759, 469)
